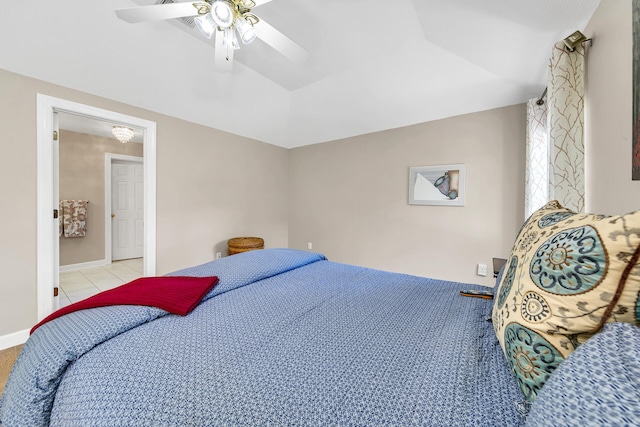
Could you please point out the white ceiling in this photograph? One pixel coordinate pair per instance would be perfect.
(373, 65)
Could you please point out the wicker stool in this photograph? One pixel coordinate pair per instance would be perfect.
(244, 244)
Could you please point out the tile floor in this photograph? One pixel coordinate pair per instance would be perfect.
(80, 284)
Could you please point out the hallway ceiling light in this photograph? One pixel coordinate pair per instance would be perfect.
(122, 133)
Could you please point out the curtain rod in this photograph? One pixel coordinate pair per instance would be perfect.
(540, 100)
(570, 42)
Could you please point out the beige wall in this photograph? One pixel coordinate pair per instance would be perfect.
(211, 186)
(244, 193)
(349, 197)
(82, 177)
(349, 200)
(608, 109)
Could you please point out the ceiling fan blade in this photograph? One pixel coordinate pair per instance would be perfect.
(223, 56)
(260, 2)
(280, 42)
(157, 12)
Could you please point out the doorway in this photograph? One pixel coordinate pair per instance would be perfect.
(47, 203)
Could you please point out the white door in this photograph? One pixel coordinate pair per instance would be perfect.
(127, 210)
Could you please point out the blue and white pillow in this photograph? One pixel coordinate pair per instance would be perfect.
(597, 385)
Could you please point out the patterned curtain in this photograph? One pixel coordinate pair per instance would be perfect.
(565, 100)
(537, 161)
(555, 136)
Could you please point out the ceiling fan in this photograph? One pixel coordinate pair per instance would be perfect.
(221, 17)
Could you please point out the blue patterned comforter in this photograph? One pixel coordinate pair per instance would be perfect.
(286, 338)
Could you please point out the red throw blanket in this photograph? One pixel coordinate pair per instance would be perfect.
(175, 294)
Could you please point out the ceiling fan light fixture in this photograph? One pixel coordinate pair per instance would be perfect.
(122, 133)
(206, 25)
(245, 30)
(230, 41)
(222, 13)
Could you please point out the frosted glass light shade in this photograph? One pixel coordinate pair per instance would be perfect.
(230, 40)
(245, 30)
(206, 25)
(222, 13)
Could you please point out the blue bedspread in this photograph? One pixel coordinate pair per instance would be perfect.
(286, 338)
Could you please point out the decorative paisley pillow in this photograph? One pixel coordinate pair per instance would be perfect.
(568, 274)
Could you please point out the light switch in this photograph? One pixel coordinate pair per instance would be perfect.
(482, 269)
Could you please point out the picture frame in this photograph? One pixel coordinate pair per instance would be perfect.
(439, 185)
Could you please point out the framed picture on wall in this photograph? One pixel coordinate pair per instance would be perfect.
(442, 185)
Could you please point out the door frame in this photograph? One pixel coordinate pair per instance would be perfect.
(108, 162)
(47, 240)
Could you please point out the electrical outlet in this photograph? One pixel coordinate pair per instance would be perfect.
(218, 255)
(482, 269)
(309, 245)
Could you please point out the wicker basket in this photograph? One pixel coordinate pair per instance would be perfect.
(244, 244)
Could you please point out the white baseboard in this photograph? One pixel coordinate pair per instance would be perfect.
(90, 264)
(13, 339)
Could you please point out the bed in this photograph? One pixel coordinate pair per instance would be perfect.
(289, 338)
(285, 338)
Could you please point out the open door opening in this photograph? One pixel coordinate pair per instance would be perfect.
(47, 191)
